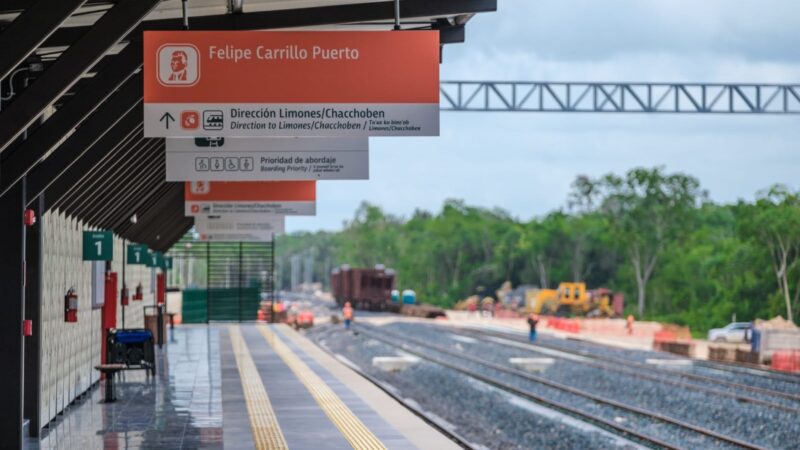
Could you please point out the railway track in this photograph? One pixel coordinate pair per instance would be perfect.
(452, 435)
(749, 369)
(402, 343)
(616, 364)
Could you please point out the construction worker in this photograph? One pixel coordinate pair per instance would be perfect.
(347, 313)
(533, 320)
(629, 324)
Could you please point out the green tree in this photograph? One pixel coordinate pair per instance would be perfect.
(646, 209)
(774, 222)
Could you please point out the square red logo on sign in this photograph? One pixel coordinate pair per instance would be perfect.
(190, 120)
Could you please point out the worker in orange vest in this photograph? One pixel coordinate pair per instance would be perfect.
(629, 324)
(347, 313)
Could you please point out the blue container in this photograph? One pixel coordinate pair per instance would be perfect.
(395, 296)
(409, 297)
(133, 336)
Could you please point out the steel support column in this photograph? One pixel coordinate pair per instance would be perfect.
(33, 312)
(12, 272)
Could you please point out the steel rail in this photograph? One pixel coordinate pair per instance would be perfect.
(636, 374)
(638, 365)
(451, 434)
(745, 368)
(552, 384)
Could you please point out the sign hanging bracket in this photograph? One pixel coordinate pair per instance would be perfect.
(396, 15)
(185, 9)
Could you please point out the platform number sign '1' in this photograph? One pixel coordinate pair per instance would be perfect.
(166, 263)
(154, 259)
(98, 246)
(137, 254)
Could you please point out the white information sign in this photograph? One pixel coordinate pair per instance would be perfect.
(267, 159)
(243, 227)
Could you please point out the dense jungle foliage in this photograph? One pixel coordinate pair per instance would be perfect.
(652, 235)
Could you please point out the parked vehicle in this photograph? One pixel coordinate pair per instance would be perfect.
(733, 332)
(573, 298)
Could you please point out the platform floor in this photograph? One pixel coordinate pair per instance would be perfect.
(240, 387)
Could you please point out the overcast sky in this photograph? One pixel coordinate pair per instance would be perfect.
(525, 162)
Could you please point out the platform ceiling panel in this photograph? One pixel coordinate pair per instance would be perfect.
(107, 179)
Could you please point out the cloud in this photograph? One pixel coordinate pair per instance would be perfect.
(525, 162)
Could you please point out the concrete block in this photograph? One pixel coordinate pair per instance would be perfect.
(394, 363)
(532, 364)
(670, 363)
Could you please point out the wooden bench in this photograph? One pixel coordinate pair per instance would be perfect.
(109, 370)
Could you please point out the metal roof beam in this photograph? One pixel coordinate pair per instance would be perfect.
(137, 199)
(157, 220)
(36, 23)
(306, 17)
(143, 196)
(70, 66)
(93, 130)
(144, 165)
(90, 171)
(13, 6)
(145, 204)
(18, 161)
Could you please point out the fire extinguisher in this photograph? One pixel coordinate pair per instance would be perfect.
(123, 295)
(71, 306)
(138, 295)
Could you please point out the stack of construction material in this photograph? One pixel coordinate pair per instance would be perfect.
(776, 336)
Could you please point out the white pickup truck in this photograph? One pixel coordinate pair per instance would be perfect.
(733, 332)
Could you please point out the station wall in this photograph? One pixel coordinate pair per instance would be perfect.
(71, 350)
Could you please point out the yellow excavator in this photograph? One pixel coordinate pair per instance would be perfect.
(572, 298)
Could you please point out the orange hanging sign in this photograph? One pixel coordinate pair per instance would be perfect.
(290, 198)
(312, 83)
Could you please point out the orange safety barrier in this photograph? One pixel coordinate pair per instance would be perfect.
(665, 336)
(786, 360)
(568, 325)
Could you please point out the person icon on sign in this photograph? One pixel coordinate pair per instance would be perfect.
(177, 64)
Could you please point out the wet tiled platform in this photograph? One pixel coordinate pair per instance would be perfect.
(203, 397)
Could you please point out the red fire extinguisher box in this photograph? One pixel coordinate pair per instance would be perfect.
(71, 306)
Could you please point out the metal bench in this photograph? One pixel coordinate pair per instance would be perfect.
(109, 370)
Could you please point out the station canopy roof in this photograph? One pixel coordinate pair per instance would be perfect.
(71, 109)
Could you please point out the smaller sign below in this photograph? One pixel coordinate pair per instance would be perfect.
(98, 246)
(166, 263)
(137, 254)
(239, 228)
(265, 159)
(285, 198)
(154, 260)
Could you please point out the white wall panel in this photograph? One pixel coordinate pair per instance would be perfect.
(71, 350)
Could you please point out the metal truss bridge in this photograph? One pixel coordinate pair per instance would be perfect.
(542, 96)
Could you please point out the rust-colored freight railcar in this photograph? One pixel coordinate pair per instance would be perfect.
(369, 289)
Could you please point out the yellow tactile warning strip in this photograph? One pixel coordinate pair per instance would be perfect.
(267, 433)
(351, 427)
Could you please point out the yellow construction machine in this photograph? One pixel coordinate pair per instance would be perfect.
(572, 298)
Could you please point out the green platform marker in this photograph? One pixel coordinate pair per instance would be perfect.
(137, 254)
(98, 246)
